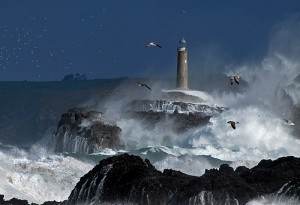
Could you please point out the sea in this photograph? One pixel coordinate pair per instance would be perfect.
(272, 94)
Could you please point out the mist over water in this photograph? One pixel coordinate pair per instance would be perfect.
(253, 139)
(260, 109)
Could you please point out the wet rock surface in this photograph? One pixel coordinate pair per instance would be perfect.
(84, 131)
(130, 179)
(177, 122)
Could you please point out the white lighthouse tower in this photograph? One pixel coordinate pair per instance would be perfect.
(182, 66)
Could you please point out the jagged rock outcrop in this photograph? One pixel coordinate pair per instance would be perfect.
(15, 201)
(84, 131)
(130, 179)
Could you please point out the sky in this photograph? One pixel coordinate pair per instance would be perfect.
(44, 40)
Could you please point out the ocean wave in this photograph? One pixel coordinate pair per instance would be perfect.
(45, 178)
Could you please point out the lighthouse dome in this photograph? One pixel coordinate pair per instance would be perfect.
(182, 45)
(182, 41)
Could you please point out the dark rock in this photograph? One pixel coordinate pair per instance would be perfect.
(84, 131)
(241, 169)
(177, 122)
(130, 179)
(15, 201)
(53, 203)
(225, 168)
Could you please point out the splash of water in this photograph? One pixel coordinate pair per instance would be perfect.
(39, 176)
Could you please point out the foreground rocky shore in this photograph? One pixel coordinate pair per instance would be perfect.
(128, 179)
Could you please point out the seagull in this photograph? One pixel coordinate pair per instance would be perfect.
(143, 84)
(152, 44)
(234, 78)
(232, 123)
(288, 122)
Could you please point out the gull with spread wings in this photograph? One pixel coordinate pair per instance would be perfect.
(232, 123)
(153, 44)
(143, 84)
(234, 78)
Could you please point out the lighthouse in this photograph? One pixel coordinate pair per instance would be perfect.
(182, 92)
(182, 66)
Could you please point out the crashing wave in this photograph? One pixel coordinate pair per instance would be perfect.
(170, 106)
(39, 176)
(288, 194)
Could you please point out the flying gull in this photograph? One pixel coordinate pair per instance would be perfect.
(152, 44)
(143, 84)
(232, 123)
(234, 78)
(288, 122)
